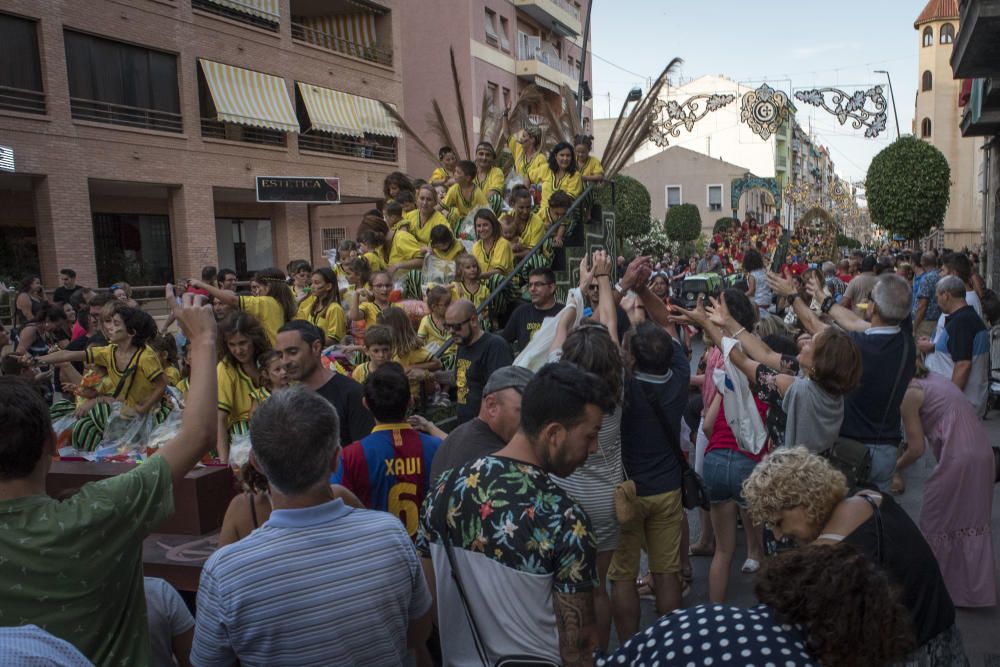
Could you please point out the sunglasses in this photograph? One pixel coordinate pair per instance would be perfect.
(455, 326)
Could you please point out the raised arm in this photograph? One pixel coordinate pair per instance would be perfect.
(197, 434)
(577, 626)
(753, 346)
(785, 287)
(225, 296)
(601, 267)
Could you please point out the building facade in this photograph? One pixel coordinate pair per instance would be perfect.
(937, 120)
(500, 47)
(138, 128)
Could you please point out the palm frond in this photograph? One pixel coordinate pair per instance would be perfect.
(461, 105)
(570, 118)
(490, 126)
(439, 126)
(408, 131)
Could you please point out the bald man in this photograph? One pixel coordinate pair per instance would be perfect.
(479, 354)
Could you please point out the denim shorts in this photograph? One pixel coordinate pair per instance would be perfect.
(725, 472)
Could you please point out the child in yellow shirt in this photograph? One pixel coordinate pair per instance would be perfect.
(378, 348)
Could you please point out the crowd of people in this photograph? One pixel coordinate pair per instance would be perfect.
(424, 479)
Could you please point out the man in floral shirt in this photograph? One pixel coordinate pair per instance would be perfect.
(523, 548)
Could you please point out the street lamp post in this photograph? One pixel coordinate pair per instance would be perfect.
(583, 61)
(892, 96)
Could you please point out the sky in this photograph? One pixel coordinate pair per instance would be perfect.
(788, 44)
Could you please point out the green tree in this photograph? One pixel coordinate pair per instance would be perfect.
(844, 241)
(631, 207)
(908, 188)
(683, 226)
(722, 224)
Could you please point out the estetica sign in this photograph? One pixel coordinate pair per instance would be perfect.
(298, 189)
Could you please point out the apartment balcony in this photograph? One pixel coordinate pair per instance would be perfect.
(546, 71)
(781, 162)
(982, 113)
(22, 100)
(121, 114)
(977, 46)
(558, 15)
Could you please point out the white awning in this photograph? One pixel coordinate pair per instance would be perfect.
(265, 9)
(343, 113)
(249, 98)
(340, 32)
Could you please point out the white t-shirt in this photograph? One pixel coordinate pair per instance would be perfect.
(168, 617)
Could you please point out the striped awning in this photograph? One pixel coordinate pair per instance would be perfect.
(343, 113)
(265, 9)
(339, 32)
(249, 98)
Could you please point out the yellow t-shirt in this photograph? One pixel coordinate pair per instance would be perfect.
(173, 375)
(237, 393)
(371, 311)
(268, 312)
(459, 206)
(375, 261)
(592, 167)
(423, 233)
(493, 181)
(438, 175)
(143, 370)
(456, 249)
(331, 321)
(571, 184)
(458, 291)
(361, 372)
(432, 336)
(533, 231)
(501, 258)
(533, 168)
(405, 246)
(417, 356)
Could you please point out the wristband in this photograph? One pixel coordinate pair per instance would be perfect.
(828, 303)
(737, 334)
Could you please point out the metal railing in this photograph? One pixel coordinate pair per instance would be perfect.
(21, 99)
(330, 42)
(339, 144)
(550, 59)
(122, 114)
(217, 129)
(236, 15)
(524, 261)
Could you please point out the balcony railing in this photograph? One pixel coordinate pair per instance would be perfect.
(550, 59)
(121, 114)
(235, 14)
(339, 144)
(19, 99)
(331, 42)
(215, 129)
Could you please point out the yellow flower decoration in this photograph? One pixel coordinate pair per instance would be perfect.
(472, 481)
(579, 530)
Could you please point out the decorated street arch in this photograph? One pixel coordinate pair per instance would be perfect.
(751, 182)
(815, 234)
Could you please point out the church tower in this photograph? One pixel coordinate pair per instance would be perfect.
(938, 118)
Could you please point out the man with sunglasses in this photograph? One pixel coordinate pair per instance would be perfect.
(479, 354)
(528, 317)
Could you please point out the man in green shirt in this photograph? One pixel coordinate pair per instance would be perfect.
(74, 568)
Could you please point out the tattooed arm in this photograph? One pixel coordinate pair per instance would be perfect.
(577, 627)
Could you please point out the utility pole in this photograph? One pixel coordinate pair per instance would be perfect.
(892, 96)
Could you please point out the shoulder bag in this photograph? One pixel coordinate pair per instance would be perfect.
(694, 493)
(441, 521)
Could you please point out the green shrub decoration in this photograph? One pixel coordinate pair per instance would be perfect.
(631, 206)
(908, 188)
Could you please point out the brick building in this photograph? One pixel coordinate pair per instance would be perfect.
(138, 128)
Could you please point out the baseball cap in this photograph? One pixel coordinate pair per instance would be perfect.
(508, 377)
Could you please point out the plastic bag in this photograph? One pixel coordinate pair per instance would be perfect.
(436, 271)
(63, 428)
(166, 431)
(738, 400)
(331, 257)
(513, 180)
(239, 450)
(467, 227)
(537, 352)
(125, 431)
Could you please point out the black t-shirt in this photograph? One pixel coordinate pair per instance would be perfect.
(344, 394)
(647, 447)
(871, 415)
(963, 326)
(910, 564)
(525, 321)
(475, 363)
(64, 294)
(468, 442)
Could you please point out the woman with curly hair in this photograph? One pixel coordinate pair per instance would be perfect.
(801, 495)
(395, 183)
(242, 343)
(819, 605)
(272, 305)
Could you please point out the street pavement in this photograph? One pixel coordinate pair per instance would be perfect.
(980, 628)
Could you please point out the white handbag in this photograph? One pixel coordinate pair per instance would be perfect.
(737, 398)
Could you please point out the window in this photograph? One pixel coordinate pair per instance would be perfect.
(332, 236)
(504, 32)
(925, 128)
(927, 81)
(506, 98)
(135, 248)
(715, 198)
(490, 23)
(491, 93)
(243, 244)
(673, 195)
(928, 36)
(20, 69)
(947, 33)
(122, 84)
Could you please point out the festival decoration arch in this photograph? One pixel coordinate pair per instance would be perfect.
(750, 182)
(815, 234)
